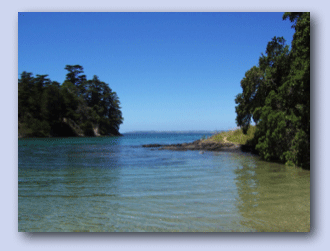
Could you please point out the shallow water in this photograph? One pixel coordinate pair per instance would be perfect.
(113, 184)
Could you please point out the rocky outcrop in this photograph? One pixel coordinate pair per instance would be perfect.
(201, 145)
(96, 130)
(74, 128)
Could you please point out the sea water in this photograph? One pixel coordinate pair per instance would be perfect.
(113, 184)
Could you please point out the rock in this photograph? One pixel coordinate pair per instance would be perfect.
(197, 145)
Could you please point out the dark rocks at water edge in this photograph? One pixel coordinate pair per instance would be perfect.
(198, 145)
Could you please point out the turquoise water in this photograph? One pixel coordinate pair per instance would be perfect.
(113, 184)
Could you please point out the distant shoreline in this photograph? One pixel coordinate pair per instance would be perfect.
(172, 132)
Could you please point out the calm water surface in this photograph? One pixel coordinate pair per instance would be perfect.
(113, 184)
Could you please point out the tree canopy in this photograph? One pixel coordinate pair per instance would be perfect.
(77, 107)
(276, 96)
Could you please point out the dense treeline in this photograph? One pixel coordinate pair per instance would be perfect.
(77, 107)
(276, 96)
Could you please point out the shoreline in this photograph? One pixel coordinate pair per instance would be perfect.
(203, 145)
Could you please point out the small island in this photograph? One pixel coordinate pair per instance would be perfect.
(78, 107)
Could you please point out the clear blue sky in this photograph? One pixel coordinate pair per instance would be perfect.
(171, 71)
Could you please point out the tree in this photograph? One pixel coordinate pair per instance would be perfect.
(260, 81)
(276, 94)
(40, 83)
(25, 84)
(76, 77)
(248, 102)
(105, 105)
(31, 113)
(297, 90)
(52, 103)
(70, 100)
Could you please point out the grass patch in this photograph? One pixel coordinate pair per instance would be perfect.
(235, 136)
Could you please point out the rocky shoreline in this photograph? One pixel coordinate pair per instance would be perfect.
(202, 145)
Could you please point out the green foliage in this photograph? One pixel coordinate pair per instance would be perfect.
(37, 128)
(45, 106)
(250, 100)
(238, 136)
(87, 128)
(276, 94)
(235, 136)
(260, 81)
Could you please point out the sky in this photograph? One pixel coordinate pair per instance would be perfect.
(171, 71)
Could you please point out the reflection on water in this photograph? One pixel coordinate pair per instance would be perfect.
(272, 197)
(110, 184)
(63, 184)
